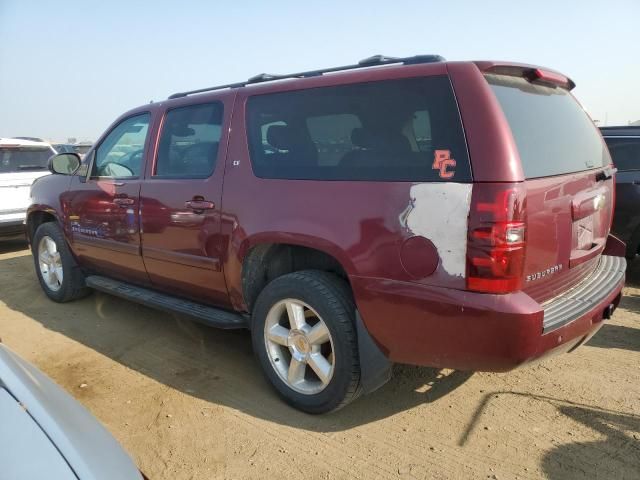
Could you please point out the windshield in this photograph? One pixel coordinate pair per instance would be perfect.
(553, 133)
(23, 159)
(63, 148)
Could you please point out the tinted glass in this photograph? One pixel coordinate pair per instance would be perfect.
(625, 152)
(23, 159)
(553, 133)
(62, 148)
(399, 130)
(189, 142)
(121, 154)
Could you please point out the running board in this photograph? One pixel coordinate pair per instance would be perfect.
(214, 317)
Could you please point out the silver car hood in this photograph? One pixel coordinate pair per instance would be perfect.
(88, 448)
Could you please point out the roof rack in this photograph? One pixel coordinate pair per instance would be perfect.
(373, 61)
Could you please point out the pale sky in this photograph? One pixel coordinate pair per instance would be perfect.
(69, 68)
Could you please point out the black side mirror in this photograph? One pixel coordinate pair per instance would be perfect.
(64, 163)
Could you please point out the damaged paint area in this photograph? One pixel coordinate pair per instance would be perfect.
(439, 212)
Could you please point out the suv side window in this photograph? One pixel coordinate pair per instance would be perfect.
(395, 130)
(189, 143)
(625, 152)
(121, 154)
(332, 136)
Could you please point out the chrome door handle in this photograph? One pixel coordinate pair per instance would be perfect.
(123, 201)
(199, 205)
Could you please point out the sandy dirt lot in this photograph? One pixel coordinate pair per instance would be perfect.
(189, 402)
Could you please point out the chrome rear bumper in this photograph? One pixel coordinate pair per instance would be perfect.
(584, 296)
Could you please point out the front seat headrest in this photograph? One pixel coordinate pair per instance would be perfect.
(361, 138)
(280, 137)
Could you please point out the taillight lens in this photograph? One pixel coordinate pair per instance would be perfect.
(497, 238)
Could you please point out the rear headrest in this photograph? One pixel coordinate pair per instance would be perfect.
(387, 142)
(280, 137)
(361, 138)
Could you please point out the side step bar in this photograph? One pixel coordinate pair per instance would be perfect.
(214, 317)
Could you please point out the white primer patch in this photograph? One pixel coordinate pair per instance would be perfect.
(439, 213)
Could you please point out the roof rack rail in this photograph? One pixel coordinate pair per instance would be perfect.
(373, 61)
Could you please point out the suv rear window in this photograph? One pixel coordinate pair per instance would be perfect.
(398, 130)
(625, 152)
(23, 159)
(553, 133)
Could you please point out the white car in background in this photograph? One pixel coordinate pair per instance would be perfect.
(21, 162)
(46, 434)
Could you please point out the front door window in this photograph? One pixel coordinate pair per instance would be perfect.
(121, 154)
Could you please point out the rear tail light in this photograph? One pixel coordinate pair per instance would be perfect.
(496, 240)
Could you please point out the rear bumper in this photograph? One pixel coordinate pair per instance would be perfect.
(446, 328)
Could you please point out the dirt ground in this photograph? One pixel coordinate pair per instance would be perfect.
(189, 402)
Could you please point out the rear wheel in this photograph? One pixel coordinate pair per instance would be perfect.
(59, 275)
(304, 337)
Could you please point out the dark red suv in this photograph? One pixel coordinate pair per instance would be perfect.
(412, 210)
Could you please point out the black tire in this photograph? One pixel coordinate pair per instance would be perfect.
(72, 286)
(331, 298)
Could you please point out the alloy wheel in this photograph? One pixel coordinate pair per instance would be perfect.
(299, 346)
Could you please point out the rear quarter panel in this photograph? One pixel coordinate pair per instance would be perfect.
(361, 224)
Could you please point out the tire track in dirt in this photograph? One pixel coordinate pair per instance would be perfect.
(190, 402)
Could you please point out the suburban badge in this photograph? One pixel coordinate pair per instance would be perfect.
(544, 273)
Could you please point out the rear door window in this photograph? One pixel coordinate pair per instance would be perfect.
(554, 135)
(189, 143)
(625, 152)
(398, 130)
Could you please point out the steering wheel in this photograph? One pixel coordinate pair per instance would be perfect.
(132, 160)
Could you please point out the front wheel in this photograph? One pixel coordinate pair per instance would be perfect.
(57, 271)
(304, 336)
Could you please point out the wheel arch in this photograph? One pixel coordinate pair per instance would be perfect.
(35, 218)
(267, 259)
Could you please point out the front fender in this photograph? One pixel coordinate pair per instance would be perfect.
(46, 201)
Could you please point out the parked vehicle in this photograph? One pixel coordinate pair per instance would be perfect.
(21, 162)
(450, 214)
(63, 147)
(624, 147)
(47, 434)
(32, 139)
(82, 148)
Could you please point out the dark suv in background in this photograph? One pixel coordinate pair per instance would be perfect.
(410, 210)
(624, 147)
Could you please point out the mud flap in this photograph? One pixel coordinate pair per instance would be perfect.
(375, 368)
(615, 247)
